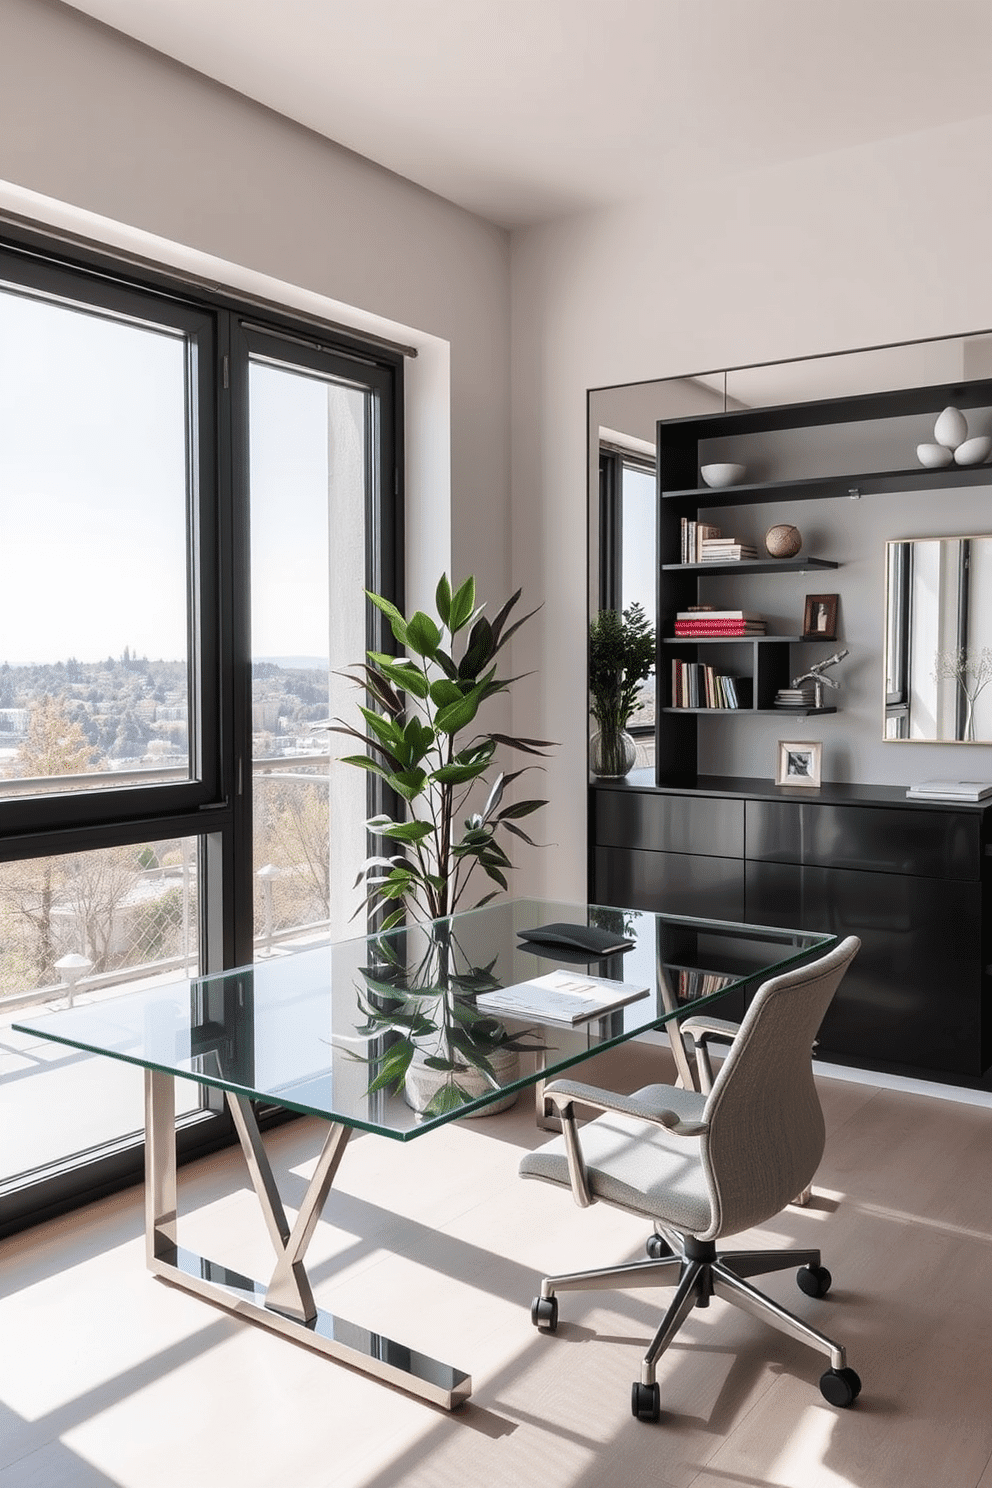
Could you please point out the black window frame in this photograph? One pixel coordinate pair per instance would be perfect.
(214, 805)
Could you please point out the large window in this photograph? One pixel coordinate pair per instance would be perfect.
(195, 498)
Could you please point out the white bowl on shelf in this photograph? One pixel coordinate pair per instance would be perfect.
(973, 451)
(722, 475)
(933, 456)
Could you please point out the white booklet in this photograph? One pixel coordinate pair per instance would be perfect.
(952, 790)
(561, 997)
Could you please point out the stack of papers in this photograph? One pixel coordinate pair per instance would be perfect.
(950, 790)
(561, 997)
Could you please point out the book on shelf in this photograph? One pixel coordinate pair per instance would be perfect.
(708, 615)
(694, 984)
(694, 534)
(561, 996)
(951, 790)
(695, 685)
(727, 555)
(730, 628)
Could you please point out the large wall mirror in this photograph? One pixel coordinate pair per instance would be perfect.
(938, 640)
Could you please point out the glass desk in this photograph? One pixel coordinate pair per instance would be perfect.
(333, 1032)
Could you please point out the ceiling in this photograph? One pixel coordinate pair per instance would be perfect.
(523, 110)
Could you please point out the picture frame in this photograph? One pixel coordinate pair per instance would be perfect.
(799, 763)
(820, 618)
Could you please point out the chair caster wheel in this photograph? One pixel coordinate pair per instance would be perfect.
(814, 1280)
(544, 1314)
(645, 1401)
(840, 1387)
(657, 1248)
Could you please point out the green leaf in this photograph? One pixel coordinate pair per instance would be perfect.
(403, 673)
(391, 613)
(501, 615)
(448, 1098)
(442, 599)
(362, 762)
(395, 1063)
(444, 661)
(520, 808)
(459, 774)
(462, 605)
(412, 831)
(444, 692)
(518, 832)
(479, 652)
(529, 746)
(422, 635)
(408, 783)
(458, 715)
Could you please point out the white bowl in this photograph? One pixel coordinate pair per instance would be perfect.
(951, 428)
(973, 451)
(935, 455)
(722, 475)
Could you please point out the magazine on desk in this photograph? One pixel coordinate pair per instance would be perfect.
(561, 997)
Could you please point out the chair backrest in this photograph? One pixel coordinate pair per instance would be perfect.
(766, 1131)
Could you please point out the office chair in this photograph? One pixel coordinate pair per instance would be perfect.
(704, 1166)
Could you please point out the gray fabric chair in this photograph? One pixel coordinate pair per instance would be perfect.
(705, 1166)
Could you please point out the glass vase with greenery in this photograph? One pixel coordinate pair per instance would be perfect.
(621, 657)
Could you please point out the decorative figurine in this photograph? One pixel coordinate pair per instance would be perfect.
(815, 675)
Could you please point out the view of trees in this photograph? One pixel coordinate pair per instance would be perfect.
(130, 906)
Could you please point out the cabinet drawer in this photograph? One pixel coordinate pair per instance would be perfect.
(670, 883)
(876, 839)
(708, 825)
(914, 994)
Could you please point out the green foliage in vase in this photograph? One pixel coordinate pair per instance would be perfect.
(430, 1008)
(621, 657)
(422, 738)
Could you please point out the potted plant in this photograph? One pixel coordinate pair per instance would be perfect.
(621, 657)
(422, 736)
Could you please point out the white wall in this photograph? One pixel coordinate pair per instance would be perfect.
(857, 248)
(91, 119)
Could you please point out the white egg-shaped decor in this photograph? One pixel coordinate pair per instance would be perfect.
(951, 428)
(973, 451)
(933, 456)
(783, 540)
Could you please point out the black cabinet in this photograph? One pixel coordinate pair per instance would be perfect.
(911, 881)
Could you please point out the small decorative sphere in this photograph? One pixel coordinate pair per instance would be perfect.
(951, 428)
(783, 540)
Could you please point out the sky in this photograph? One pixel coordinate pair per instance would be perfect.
(93, 492)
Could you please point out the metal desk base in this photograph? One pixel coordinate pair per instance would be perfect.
(286, 1304)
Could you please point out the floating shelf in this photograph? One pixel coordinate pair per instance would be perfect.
(870, 483)
(752, 565)
(758, 640)
(750, 712)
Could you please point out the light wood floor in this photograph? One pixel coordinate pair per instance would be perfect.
(108, 1377)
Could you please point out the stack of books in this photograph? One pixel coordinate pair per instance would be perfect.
(694, 535)
(724, 550)
(795, 697)
(695, 685)
(704, 623)
(950, 790)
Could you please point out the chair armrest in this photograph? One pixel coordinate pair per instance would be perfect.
(563, 1093)
(698, 1026)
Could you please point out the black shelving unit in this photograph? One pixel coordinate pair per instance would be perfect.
(681, 495)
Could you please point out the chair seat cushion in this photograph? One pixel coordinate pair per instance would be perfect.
(636, 1165)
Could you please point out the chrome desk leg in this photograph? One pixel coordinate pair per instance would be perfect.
(286, 1305)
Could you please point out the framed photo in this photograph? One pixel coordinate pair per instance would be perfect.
(799, 763)
(820, 619)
